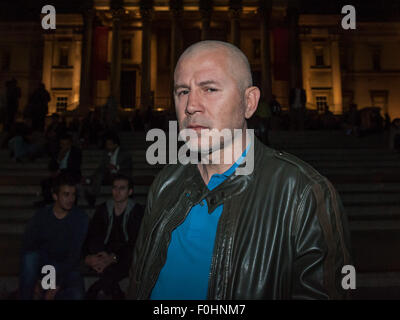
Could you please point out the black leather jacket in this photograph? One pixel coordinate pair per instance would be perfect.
(282, 234)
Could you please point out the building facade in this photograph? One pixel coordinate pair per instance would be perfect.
(127, 51)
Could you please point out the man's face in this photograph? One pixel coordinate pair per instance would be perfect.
(65, 198)
(121, 191)
(207, 95)
(110, 145)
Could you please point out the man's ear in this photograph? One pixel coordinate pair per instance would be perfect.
(54, 195)
(252, 96)
(130, 192)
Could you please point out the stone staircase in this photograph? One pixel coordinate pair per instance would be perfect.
(363, 170)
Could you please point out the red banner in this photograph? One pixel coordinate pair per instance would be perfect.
(100, 49)
(281, 54)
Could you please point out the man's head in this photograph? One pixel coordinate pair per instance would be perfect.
(122, 188)
(65, 142)
(111, 142)
(213, 88)
(64, 191)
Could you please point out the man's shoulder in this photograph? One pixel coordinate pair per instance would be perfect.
(289, 165)
(170, 174)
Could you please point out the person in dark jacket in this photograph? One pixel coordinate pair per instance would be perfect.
(261, 225)
(38, 105)
(68, 159)
(111, 239)
(13, 94)
(114, 160)
(54, 237)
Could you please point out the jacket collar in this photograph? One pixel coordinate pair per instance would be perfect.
(196, 190)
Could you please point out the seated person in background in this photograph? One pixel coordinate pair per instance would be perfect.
(68, 159)
(111, 238)
(54, 236)
(22, 145)
(54, 130)
(114, 160)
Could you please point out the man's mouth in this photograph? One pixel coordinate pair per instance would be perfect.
(196, 127)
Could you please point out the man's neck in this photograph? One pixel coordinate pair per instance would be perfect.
(207, 170)
(59, 212)
(119, 207)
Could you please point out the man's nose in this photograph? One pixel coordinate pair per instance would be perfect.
(194, 103)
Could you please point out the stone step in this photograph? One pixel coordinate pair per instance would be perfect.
(36, 189)
(142, 162)
(372, 212)
(134, 150)
(140, 179)
(35, 166)
(370, 198)
(42, 173)
(13, 200)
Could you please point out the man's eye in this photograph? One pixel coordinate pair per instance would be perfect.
(180, 93)
(211, 89)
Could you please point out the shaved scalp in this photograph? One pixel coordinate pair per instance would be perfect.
(237, 61)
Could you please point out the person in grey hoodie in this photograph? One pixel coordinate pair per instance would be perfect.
(111, 238)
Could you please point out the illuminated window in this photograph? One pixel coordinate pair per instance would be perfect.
(380, 98)
(62, 103)
(319, 56)
(321, 103)
(63, 60)
(127, 48)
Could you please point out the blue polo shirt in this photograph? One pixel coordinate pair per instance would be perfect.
(187, 268)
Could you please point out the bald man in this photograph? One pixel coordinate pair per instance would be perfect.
(277, 232)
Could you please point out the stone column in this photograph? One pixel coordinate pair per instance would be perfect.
(205, 10)
(176, 7)
(146, 11)
(117, 16)
(47, 60)
(235, 10)
(265, 51)
(336, 76)
(85, 100)
(307, 56)
(295, 77)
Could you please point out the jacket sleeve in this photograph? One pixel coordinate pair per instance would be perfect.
(321, 244)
